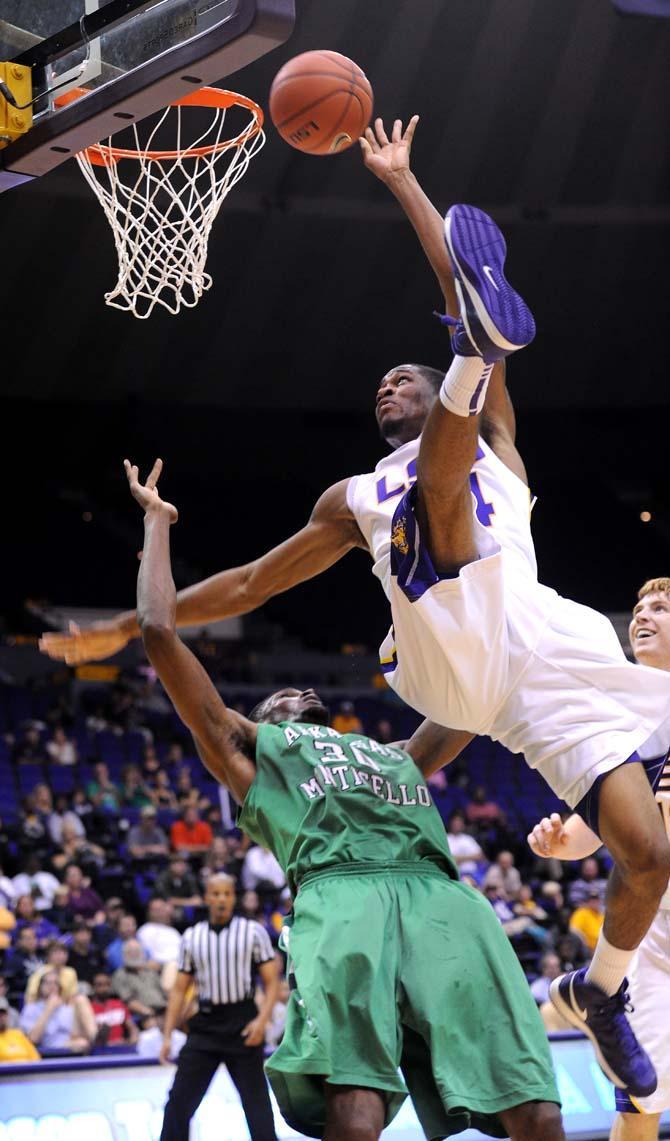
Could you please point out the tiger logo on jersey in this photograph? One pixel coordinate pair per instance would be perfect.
(399, 536)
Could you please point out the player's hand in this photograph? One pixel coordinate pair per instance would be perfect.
(97, 641)
(254, 1032)
(164, 1053)
(146, 494)
(549, 838)
(388, 158)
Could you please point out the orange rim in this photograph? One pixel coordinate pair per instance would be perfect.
(99, 154)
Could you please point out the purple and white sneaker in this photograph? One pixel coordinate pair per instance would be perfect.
(603, 1019)
(495, 321)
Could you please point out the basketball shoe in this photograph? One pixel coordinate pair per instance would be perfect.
(494, 320)
(603, 1019)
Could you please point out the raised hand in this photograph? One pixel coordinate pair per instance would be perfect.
(94, 643)
(388, 158)
(147, 494)
(549, 838)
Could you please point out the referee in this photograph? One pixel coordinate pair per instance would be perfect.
(220, 954)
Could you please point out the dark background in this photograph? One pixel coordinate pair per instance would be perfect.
(554, 116)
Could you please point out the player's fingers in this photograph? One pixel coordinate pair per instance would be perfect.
(371, 140)
(396, 133)
(411, 128)
(381, 133)
(74, 629)
(556, 822)
(154, 474)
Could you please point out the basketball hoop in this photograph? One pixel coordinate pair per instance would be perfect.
(161, 204)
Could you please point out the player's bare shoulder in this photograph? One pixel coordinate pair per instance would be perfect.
(332, 509)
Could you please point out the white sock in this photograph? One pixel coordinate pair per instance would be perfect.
(464, 387)
(608, 966)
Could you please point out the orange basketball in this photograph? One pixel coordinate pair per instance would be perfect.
(320, 102)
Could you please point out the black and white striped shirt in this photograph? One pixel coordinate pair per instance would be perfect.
(222, 958)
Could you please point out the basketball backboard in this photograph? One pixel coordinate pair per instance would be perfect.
(132, 57)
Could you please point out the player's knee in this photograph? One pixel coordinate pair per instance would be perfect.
(648, 866)
(536, 1119)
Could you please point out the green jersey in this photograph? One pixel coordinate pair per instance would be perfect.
(323, 799)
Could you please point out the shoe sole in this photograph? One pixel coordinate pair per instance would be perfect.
(569, 1015)
(476, 244)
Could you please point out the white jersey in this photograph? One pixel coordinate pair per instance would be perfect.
(658, 745)
(492, 650)
(501, 502)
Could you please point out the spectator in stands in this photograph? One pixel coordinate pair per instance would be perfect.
(187, 794)
(136, 984)
(572, 951)
(220, 858)
(504, 876)
(7, 891)
(35, 881)
(102, 791)
(60, 914)
(61, 750)
(84, 901)
(274, 1031)
(32, 830)
(175, 754)
(589, 880)
(42, 799)
(147, 840)
(56, 960)
(383, 733)
(526, 905)
(7, 927)
(75, 847)
(514, 926)
(150, 765)
(550, 969)
(114, 951)
(29, 748)
(482, 812)
(112, 1016)
(250, 906)
(178, 886)
(106, 932)
(63, 814)
(13, 1014)
(28, 916)
(262, 873)
(160, 940)
(83, 807)
(346, 720)
(14, 1045)
(163, 796)
(464, 848)
(190, 835)
(587, 920)
(52, 1023)
(134, 792)
(22, 961)
(85, 956)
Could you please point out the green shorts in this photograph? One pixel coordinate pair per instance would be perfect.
(403, 968)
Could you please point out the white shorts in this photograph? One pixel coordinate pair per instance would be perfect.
(493, 651)
(650, 995)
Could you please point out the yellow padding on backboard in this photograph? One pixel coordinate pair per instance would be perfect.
(15, 121)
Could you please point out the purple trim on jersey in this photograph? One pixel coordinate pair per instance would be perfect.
(589, 806)
(389, 667)
(410, 562)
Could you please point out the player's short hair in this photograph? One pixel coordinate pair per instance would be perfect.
(433, 376)
(654, 586)
(259, 712)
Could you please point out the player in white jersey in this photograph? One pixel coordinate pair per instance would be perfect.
(638, 1119)
(479, 644)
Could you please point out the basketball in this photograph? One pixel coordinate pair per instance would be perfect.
(321, 102)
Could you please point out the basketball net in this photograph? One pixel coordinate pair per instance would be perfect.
(161, 204)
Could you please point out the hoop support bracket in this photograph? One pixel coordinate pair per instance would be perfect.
(16, 92)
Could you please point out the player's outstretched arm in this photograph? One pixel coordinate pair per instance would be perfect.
(552, 838)
(227, 741)
(434, 746)
(389, 160)
(329, 534)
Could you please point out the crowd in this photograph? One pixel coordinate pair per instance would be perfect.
(100, 873)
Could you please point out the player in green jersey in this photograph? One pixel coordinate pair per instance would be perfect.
(395, 963)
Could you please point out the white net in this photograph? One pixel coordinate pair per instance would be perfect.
(161, 204)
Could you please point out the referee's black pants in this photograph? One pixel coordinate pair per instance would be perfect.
(214, 1039)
